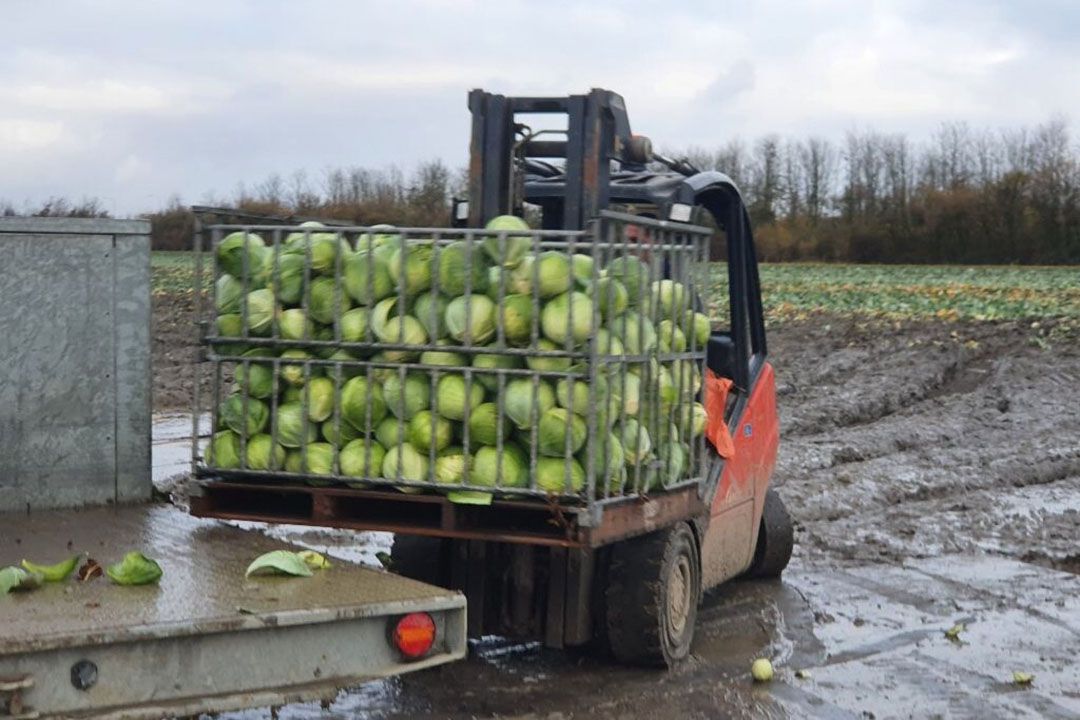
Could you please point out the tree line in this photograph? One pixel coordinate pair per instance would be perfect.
(962, 196)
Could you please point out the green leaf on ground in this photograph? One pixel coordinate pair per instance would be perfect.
(279, 562)
(134, 569)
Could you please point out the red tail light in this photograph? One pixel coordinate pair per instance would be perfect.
(414, 635)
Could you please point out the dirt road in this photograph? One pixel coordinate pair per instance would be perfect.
(933, 471)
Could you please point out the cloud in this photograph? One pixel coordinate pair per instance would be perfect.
(188, 96)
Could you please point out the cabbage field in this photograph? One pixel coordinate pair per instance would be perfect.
(508, 362)
(798, 290)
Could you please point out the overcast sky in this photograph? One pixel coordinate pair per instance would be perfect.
(132, 101)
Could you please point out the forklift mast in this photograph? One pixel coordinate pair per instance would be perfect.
(597, 164)
(503, 150)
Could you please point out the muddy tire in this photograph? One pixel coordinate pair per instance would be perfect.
(776, 538)
(420, 558)
(651, 597)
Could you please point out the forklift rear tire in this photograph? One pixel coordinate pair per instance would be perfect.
(651, 598)
(419, 558)
(776, 538)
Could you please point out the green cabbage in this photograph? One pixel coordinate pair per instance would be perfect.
(553, 271)
(288, 283)
(319, 460)
(391, 431)
(358, 398)
(516, 311)
(610, 296)
(583, 266)
(454, 260)
(490, 381)
(430, 310)
(410, 268)
(669, 298)
(518, 401)
(261, 311)
(635, 441)
(264, 454)
(633, 274)
(552, 475)
(670, 338)
(450, 466)
(367, 278)
(256, 378)
(293, 426)
(635, 331)
(556, 426)
(321, 300)
(227, 293)
(293, 373)
(508, 470)
(505, 246)
(542, 363)
(484, 425)
(224, 450)
(232, 414)
(354, 325)
(481, 327)
(427, 430)
(233, 249)
(405, 462)
(444, 358)
(362, 459)
(568, 317)
(405, 399)
(324, 247)
(319, 396)
(451, 394)
(329, 432)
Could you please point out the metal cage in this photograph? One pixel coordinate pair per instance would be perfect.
(305, 308)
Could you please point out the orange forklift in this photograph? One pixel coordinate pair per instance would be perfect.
(623, 573)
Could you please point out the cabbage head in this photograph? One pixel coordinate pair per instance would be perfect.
(359, 398)
(558, 477)
(508, 240)
(558, 429)
(224, 450)
(264, 454)
(427, 430)
(456, 260)
(568, 317)
(470, 319)
(367, 278)
(256, 419)
(518, 401)
(452, 393)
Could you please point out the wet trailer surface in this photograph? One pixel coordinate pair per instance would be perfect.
(205, 638)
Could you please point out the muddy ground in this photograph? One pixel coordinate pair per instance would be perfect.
(933, 472)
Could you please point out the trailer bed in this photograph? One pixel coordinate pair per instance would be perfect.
(205, 638)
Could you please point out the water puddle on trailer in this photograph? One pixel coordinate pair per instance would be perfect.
(848, 638)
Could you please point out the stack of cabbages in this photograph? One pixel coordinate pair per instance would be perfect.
(348, 362)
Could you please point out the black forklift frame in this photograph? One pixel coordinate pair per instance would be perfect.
(508, 168)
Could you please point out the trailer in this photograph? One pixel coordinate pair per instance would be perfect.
(75, 480)
(620, 567)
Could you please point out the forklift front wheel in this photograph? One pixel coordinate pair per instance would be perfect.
(776, 539)
(651, 598)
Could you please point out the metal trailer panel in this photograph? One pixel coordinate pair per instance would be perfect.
(75, 342)
(205, 638)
